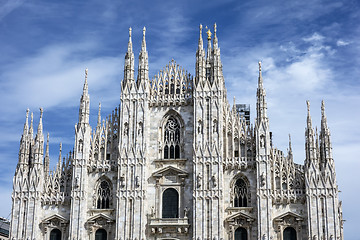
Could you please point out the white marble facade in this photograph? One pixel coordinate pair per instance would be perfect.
(175, 161)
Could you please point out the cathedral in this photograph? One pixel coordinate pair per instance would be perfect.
(175, 161)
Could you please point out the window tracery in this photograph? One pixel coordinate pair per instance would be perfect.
(172, 139)
(103, 195)
(240, 193)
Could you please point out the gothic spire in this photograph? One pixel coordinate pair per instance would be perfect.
(47, 158)
(215, 37)
(59, 162)
(26, 124)
(201, 44)
(40, 126)
(84, 109)
(325, 141)
(143, 69)
(31, 130)
(310, 143)
(129, 62)
(309, 121)
(290, 148)
(200, 59)
(143, 44)
(86, 87)
(208, 54)
(323, 117)
(261, 100)
(130, 47)
(99, 116)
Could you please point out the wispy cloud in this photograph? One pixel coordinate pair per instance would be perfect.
(342, 43)
(7, 6)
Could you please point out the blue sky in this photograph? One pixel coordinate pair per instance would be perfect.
(309, 49)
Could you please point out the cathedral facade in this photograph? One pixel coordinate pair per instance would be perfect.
(175, 161)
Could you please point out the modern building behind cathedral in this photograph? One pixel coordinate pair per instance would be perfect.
(175, 161)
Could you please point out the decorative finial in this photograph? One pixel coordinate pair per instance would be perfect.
(201, 27)
(41, 112)
(322, 107)
(308, 106)
(215, 28)
(130, 29)
(86, 73)
(290, 141)
(144, 30)
(208, 32)
(99, 114)
(259, 66)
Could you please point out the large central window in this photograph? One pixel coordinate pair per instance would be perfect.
(240, 193)
(103, 195)
(170, 203)
(172, 139)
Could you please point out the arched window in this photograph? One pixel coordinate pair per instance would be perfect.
(240, 193)
(240, 234)
(101, 234)
(172, 139)
(170, 203)
(55, 234)
(103, 195)
(242, 149)
(289, 233)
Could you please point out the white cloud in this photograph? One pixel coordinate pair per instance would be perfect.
(55, 76)
(316, 37)
(340, 43)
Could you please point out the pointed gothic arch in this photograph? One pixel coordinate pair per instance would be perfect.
(240, 191)
(172, 135)
(103, 193)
